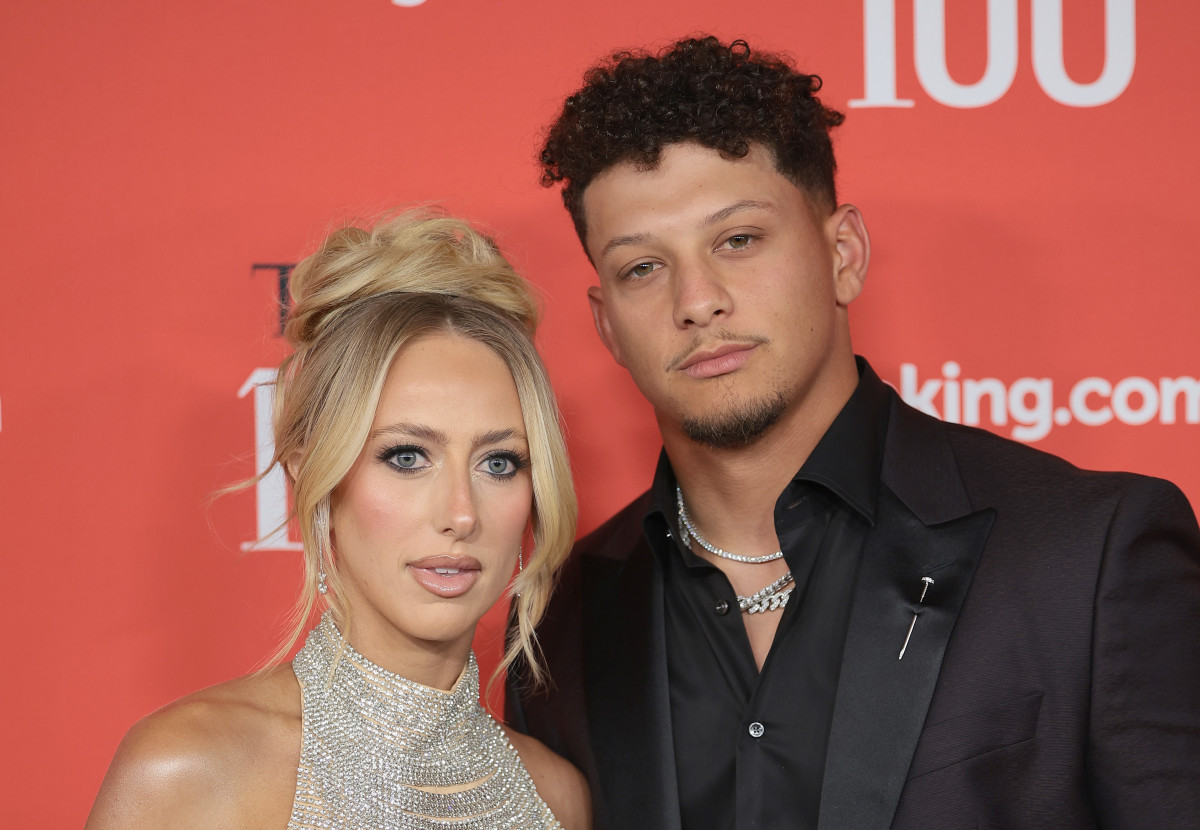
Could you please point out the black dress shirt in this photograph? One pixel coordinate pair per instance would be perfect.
(750, 746)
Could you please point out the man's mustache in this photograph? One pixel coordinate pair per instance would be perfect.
(704, 341)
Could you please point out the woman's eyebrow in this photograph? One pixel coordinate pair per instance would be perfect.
(497, 436)
(433, 435)
(418, 431)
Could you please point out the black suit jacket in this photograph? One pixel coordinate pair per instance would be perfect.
(1052, 679)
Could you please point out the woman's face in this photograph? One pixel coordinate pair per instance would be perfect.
(427, 523)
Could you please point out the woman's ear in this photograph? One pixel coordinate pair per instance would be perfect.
(292, 465)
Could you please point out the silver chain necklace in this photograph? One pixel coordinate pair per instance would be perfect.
(689, 530)
(771, 598)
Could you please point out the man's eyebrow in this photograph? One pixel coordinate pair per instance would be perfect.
(737, 207)
(712, 219)
(629, 239)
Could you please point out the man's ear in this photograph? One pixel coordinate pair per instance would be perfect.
(603, 326)
(851, 252)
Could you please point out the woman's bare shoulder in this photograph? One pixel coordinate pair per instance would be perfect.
(225, 756)
(558, 782)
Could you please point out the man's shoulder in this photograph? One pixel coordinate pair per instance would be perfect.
(616, 537)
(990, 463)
(979, 450)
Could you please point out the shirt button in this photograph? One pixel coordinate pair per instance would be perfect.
(722, 608)
(756, 730)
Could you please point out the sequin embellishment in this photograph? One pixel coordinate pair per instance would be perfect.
(380, 751)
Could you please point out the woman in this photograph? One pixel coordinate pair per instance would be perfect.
(421, 441)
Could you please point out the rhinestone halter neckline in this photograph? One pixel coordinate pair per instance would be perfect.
(382, 751)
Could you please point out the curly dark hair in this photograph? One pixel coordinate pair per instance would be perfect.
(633, 104)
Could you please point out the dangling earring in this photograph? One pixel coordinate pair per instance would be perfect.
(322, 522)
(520, 564)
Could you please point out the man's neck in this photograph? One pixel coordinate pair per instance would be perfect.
(731, 493)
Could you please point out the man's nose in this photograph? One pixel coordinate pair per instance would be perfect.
(701, 297)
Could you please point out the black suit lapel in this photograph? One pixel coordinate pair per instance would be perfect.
(925, 528)
(625, 670)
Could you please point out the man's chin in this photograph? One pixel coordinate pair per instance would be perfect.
(737, 426)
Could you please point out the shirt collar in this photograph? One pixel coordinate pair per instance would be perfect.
(849, 456)
(846, 461)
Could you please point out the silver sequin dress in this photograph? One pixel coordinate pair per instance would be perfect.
(380, 751)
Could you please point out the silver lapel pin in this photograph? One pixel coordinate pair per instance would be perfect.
(925, 589)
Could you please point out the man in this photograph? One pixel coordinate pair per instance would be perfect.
(829, 610)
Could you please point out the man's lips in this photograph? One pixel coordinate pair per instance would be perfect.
(446, 576)
(709, 363)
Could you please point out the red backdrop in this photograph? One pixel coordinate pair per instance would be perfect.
(1031, 190)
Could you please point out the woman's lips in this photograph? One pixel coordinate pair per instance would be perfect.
(446, 576)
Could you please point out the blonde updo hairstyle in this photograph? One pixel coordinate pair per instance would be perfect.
(355, 303)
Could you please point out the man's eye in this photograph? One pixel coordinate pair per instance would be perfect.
(642, 269)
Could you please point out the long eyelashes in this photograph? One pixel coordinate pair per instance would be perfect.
(503, 464)
(403, 458)
(409, 459)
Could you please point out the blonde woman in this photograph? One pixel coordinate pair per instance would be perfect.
(421, 441)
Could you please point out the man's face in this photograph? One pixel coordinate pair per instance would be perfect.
(723, 289)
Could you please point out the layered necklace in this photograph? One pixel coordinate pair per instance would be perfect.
(771, 598)
(382, 751)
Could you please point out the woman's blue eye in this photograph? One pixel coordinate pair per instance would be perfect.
(499, 465)
(404, 458)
